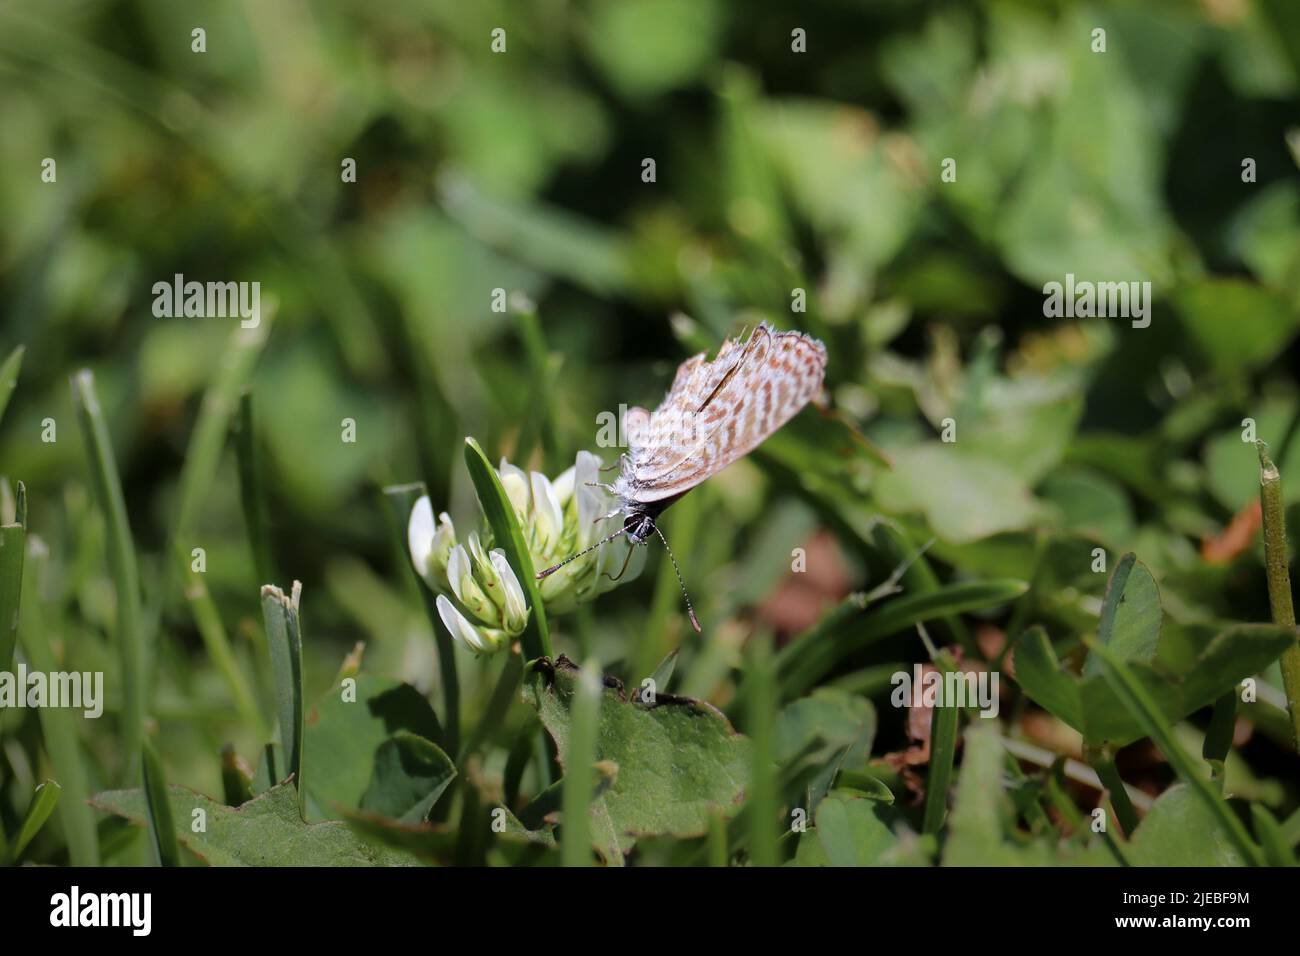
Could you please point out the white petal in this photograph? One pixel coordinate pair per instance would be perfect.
(419, 534)
(516, 610)
(458, 568)
(564, 484)
(515, 482)
(546, 509)
(591, 500)
(461, 629)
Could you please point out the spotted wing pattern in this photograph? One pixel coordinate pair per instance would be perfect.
(719, 411)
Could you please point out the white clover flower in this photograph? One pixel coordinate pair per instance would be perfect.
(480, 599)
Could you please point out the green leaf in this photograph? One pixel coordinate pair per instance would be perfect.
(266, 831)
(162, 828)
(354, 731)
(1180, 830)
(1142, 706)
(284, 638)
(963, 498)
(1130, 615)
(1237, 324)
(1091, 705)
(506, 534)
(410, 774)
(804, 661)
(43, 802)
(854, 831)
(679, 761)
(129, 635)
(9, 377)
(1041, 677)
(829, 720)
(13, 548)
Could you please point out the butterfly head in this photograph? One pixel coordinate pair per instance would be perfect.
(638, 526)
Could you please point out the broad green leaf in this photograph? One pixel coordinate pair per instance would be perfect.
(1040, 676)
(854, 831)
(829, 719)
(433, 843)
(410, 774)
(678, 761)
(1130, 615)
(366, 768)
(1236, 323)
(647, 47)
(1179, 830)
(506, 534)
(1090, 503)
(266, 831)
(963, 498)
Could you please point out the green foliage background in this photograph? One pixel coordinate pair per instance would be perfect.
(775, 170)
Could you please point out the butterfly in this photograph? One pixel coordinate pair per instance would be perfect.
(715, 413)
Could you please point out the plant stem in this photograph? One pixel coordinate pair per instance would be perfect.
(1279, 578)
(1102, 760)
(760, 674)
(122, 563)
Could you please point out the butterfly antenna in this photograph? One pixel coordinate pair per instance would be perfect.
(690, 611)
(575, 557)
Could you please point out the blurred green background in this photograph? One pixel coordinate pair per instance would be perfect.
(521, 170)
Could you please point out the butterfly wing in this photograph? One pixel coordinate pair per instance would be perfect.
(719, 411)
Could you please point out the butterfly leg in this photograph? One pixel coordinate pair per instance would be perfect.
(616, 511)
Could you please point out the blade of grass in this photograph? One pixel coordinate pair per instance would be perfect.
(401, 499)
(1269, 833)
(575, 843)
(507, 535)
(122, 564)
(9, 376)
(43, 802)
(943, 747)
(811, 656)
(250, 489)
(213, 632)
(284, 637)
(1279, 578)
(162, 825)
(1147, 713)
(760, 674)
(13, 548)
(58, 725)
(208, 439)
